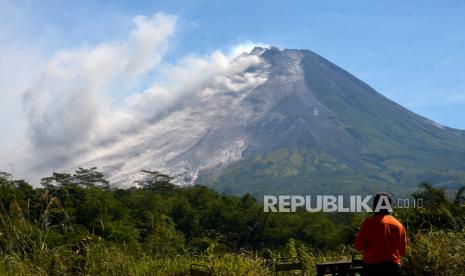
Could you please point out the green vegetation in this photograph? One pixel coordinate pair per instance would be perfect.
(307, 171)
(296, 171)
(77, 224)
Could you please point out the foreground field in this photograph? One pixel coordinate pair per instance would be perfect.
(433, 253)
(76, 224)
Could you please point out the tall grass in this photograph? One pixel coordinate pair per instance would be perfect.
(436, 253)
(25, 252)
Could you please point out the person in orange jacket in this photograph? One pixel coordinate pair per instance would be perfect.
(382, 239)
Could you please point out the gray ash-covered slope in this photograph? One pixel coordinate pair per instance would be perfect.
(317, 128)
(307, 126)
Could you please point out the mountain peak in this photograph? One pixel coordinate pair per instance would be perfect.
(257, 50)
(305, 125)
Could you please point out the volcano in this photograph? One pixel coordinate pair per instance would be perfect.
(303, 125)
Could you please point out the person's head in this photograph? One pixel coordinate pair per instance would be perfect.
(382, 204)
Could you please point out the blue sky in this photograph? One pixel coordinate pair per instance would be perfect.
(410, 51)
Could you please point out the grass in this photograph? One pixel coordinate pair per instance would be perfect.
(436, 253)
(432, 253)
(108, 260)
(38, 247)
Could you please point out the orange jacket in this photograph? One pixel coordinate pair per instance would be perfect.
(381, 238)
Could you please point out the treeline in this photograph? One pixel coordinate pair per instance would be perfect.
(159, 218)
(71, 213)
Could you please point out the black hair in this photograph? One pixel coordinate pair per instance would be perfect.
(383, 210)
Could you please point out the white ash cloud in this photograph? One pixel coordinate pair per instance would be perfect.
(88, 97)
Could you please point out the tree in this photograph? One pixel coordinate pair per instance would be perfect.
(436, 212)
(56, 180)
(90, 178)
(156, 181)
(431, 196)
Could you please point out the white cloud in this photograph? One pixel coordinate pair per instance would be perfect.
(21, 62)
(190, 75)
(78, 105)
(70, 108)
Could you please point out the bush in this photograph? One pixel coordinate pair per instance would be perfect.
(436, 253)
